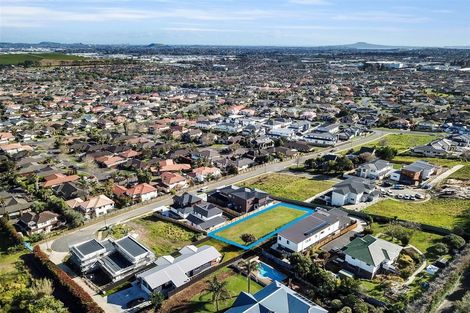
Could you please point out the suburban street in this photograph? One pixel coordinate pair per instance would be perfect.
(87, 232)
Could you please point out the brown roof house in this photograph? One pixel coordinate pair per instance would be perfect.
(36, 223)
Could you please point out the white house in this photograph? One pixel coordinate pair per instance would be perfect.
(96, 206)
(321, 139)
(353, 191)
(368, 254)
(142, 192)
(376, 169)
(35, 223)
(201, 174)
(311, 230)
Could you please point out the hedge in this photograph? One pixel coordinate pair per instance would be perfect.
(83, 299)
(10, 231)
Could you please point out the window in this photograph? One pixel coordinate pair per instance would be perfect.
(288, 242)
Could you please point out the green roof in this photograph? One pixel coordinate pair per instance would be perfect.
(359, 249)
(372, 250)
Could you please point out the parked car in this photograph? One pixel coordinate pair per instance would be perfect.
(407, 197)
(398, 187)
(419, 196)
(400, 196)
(412, 198)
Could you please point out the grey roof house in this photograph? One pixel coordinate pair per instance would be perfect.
(274, 298)
(171, 273)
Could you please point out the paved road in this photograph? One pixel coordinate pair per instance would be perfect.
(62, 243)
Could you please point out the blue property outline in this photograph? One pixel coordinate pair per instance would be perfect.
(307, 211)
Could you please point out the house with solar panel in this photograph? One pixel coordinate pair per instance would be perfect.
(317, 227)
(116, 258)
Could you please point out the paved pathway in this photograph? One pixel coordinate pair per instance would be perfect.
(436, 180)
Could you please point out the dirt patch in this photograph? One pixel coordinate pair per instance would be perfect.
(181, 302)
(455, 188)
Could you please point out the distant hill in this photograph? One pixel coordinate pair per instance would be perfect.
(367, 46)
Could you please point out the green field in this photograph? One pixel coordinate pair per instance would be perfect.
(17, 58)
(446, 213)
(289, 186)
(420, 239)
(403, 159)
(228, 251)
(160, 236)
(461, 174)
(402, 142)
(261, 224)
(235, 284)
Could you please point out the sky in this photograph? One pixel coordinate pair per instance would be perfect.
(237, 22)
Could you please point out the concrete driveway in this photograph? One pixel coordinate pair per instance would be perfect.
(120, 299)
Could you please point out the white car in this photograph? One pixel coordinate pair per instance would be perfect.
(407, 197)
(419, 196)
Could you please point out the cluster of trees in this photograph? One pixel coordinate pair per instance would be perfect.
(76, 293)
(13, 239)
(337, 295)
(341, 164)
(442, 284)
(147, 89)
(19, 292)
(386, 153)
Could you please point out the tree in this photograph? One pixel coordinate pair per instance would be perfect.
(144, 176)
(454, 241)
(248, 266)
(463, 306)
(386, 153)
(157, 299)
(439, 249)
(232, 169)
(247, 238)
(218, 290)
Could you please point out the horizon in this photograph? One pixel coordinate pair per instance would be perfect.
(286, 23)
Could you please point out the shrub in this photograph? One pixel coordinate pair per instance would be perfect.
(454, 241)
(439, 249)
(12, 235)
(248, 238)
(85, 301)
(336, 304)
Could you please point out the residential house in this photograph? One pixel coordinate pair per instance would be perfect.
(171, 273)
(414, 173)
(205, 216)
(353, 191)
(14, 148)
(203, 173)
(37, 223)
(14, 205)
(366, 255)
(170, 166)
(240, 199)
(142, 192)
(69, 191)
(376, 169)
(274, 298)
(312, 229)
(172, 181)
(6, 137)
(117, 258)
(325, 139)
(95, 206)
(183, 205)
(58, 179)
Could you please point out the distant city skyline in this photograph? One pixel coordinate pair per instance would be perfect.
(238, 22)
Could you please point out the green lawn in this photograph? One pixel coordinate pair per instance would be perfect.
(403, 159)
(160, 236)
(7, 261)
(14, 58)
(445, 213)
(462, 174)
(289, 186)
(235, 284)
(402, 142)
(261, 224)
(420, 239)
(228, 251)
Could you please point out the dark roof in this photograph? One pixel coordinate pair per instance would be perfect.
(131, 246)
(207, 210)
(89, 247)
(185, 200)
(205, 224)
(116, 262)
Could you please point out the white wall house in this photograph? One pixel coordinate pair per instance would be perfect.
(376, 169)
(321, 139)
(312, 229)
(353, 191)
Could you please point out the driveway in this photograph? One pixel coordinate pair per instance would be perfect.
(120, 299)
(344, 239)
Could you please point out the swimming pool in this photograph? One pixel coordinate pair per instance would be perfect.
(266, 271)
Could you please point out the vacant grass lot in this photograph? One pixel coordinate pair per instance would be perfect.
(402, 142)
(420, 239)
(461, 174)
(289, 186)
(446, 213)
(236, 283)
(403, 159)
(14, 58)
(262, 224)
(228, 251)
(160, 236)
